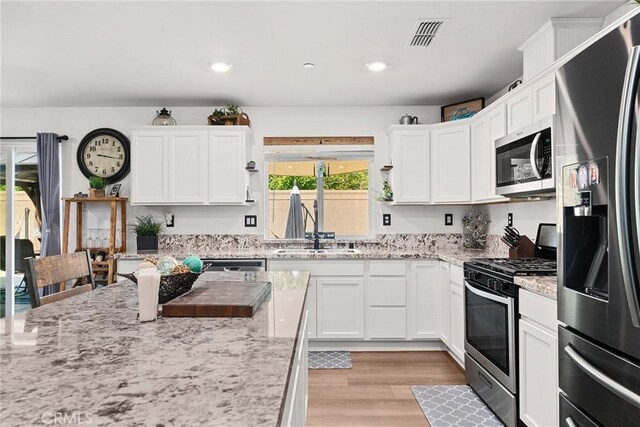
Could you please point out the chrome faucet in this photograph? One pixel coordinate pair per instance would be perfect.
(316, 236)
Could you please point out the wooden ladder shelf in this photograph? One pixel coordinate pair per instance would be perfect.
(108, 265)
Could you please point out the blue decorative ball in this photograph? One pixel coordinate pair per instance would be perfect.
(194, 263)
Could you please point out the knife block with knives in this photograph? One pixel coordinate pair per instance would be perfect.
(519, 246)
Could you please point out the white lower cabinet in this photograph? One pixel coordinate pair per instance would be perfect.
(456, 304)
(311, 308)
(425, 288)
(295, 405)
(444, 306)
(386, 300)
(538, 359)
(340, 307)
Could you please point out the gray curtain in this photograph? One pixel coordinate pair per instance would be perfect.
(49, 179)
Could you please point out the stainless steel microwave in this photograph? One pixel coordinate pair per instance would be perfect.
(524, 161)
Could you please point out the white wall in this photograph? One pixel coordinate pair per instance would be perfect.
(266, 121)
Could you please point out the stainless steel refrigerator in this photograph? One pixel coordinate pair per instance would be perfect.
(598, 156)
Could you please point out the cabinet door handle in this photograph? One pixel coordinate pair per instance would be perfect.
(569, 422)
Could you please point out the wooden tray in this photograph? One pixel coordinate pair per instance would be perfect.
(219, 299)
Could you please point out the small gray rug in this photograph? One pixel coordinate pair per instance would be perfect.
(453, 405)
(330, 360)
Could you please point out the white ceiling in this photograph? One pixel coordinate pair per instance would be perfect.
(87, 53)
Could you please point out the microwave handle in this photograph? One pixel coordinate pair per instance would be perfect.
(532, 156)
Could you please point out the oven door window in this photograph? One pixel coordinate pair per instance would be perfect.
(487, 328)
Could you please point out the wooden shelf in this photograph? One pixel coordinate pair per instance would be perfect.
(386, 168)
(94, 199)
(251, 169)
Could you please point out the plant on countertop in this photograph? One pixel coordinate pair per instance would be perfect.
(97, 182)
(146, 225)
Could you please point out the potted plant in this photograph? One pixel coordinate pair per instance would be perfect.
(231, 115)
(146, 229)
(96, 186)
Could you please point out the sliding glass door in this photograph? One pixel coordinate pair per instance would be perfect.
(19, 222)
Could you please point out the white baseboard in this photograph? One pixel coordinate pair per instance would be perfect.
(328, 345)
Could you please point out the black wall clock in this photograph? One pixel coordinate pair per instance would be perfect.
(106, 153)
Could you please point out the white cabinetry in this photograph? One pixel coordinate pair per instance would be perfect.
(189, 165)
(444, 306)
(295, 406)
(187, 158)
(456, 303)
(490, 126)
(519, 109)
(451, 164)
(386, 300)
(538, 357)
(543, 92)
(340, 307)
(311, 308)
(227, 175)
(410, 175)
(425, 288)
(149, 163)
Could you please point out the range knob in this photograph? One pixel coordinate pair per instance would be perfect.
(472, 275)
(497, 285)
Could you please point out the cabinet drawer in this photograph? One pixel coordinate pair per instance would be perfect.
(387, 323)
(539, 309)
(456, 275)
(387, 268)
(320, 267)
(387, 291)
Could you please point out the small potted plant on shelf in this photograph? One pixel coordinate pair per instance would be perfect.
(96, 186)
(387, 193)
(231, 115)
(146, 229)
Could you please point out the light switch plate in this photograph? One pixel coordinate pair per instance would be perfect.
(251, 220)
(510, 219)
(386, 219)
(448, 219)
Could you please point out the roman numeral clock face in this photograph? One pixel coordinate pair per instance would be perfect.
(104, 153)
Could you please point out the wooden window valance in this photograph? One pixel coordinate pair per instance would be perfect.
(318, 140)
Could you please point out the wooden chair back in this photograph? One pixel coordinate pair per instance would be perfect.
(57, 270)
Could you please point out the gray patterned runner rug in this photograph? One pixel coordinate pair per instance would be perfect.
(330, 360)
(453, 405)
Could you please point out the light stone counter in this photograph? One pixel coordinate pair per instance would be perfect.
(544, 285)
(88, 357)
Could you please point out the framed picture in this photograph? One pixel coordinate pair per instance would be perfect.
(464, 109)
(115, 190)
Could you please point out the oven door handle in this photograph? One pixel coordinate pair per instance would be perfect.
(487, 295)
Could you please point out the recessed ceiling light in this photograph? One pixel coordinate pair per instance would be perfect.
(220, 67)
(376, 66)
(308, 65)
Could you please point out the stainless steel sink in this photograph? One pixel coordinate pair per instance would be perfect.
(328, 251)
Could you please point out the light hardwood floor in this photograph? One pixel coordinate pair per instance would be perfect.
(377, 391)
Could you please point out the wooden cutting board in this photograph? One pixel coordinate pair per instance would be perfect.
(219, 299)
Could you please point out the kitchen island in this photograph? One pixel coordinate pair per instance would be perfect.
(90, 359)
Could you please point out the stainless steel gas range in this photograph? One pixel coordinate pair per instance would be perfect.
(491, 329)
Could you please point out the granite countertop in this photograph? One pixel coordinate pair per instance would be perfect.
(544, 285)
(453, 256)
(89, 356)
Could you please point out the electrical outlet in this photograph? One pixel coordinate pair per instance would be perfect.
(510, 219)
(386, 219)
(251, 220)
(448, 219)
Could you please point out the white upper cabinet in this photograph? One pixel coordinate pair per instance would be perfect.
(227, 174)
(410, 174)
(484, 132)
(189, 165)
(451, 164)
(149, 163)
(519, 109)
(543, 92)
(187, 158)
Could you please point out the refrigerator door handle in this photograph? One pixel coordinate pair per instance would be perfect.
(625, 121)
(601, 378)
(532, 156)
(570, 423)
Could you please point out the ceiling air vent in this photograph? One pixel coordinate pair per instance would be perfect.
(425, 31)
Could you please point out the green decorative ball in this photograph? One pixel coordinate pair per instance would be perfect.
(194, 263)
